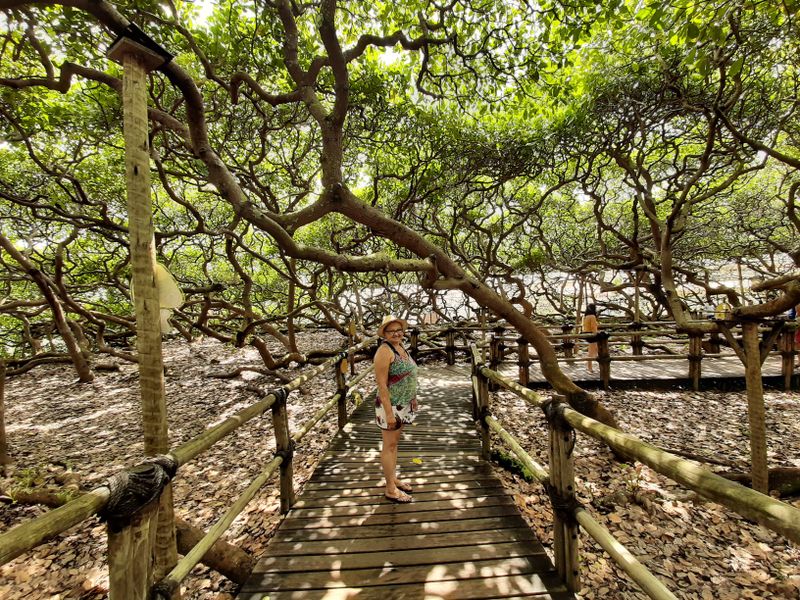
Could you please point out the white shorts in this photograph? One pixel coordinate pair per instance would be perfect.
(403, 414)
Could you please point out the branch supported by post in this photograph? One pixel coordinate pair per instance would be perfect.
(139, 55)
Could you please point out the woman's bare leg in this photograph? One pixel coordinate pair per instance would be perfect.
(389, 460)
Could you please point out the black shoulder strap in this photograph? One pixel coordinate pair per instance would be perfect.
(393, 348)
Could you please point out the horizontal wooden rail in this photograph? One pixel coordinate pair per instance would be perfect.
(202, 442)
(648, 582)
(354, 381)
(535, 468)
(309, 425)
(165, 588)
(20, 539)
(763, 509)
(28, 535)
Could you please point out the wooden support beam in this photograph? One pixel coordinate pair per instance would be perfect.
(341, 369)
(450, 346)
(136, 63)
(130, 556)
(755, 407)
(285, 448)
(562, 496)
(604, 358)
(695, 359)
(523, 361)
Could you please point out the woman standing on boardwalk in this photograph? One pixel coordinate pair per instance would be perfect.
(590, 325)
(396, 400)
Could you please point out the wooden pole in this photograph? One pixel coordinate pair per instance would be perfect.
(604, 358)
(341, 390)
(495, 355)
(481, 408)
(415, 343)
(562, 495)
(130, 556)
(568, 344)
(450, 346)
(755, 407)
(637, 345)
(145, 292)
(4, 458)
(695, 359)
(786, 346)
(284, 448)
(523, 360)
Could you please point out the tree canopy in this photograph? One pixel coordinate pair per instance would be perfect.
(308, 155)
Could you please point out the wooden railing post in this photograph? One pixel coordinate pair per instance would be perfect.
(568, 343)
(484, 408)
(495, 357)
(786, 346)
(637, 345)
(695, 359)
(137, 62)
(131, 514)
(284, 448)
(414, 343)
(561, 489)
(341, 390)
(351, 341)
(4, 458)
(450, 346)
(130, 556)
(523, 360)
(714, 342)
(604, 358)
(480, 400)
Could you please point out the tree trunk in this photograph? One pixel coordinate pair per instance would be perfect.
(290, 303)
(73, 349)
(227, 559)
(784, 480)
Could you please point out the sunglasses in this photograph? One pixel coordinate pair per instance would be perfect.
(392, 331)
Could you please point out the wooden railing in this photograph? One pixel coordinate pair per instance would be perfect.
(129, 501)
(559, 481)
(502, 346)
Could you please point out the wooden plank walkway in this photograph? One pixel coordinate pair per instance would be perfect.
(462, 537)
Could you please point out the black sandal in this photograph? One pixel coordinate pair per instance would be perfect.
(401, 499)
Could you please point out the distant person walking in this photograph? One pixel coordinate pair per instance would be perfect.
(590, 325)
(396, 400)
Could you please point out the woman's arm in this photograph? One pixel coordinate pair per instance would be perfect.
(383, 358)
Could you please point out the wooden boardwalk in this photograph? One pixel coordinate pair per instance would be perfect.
(462, 537)
(715, 371)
